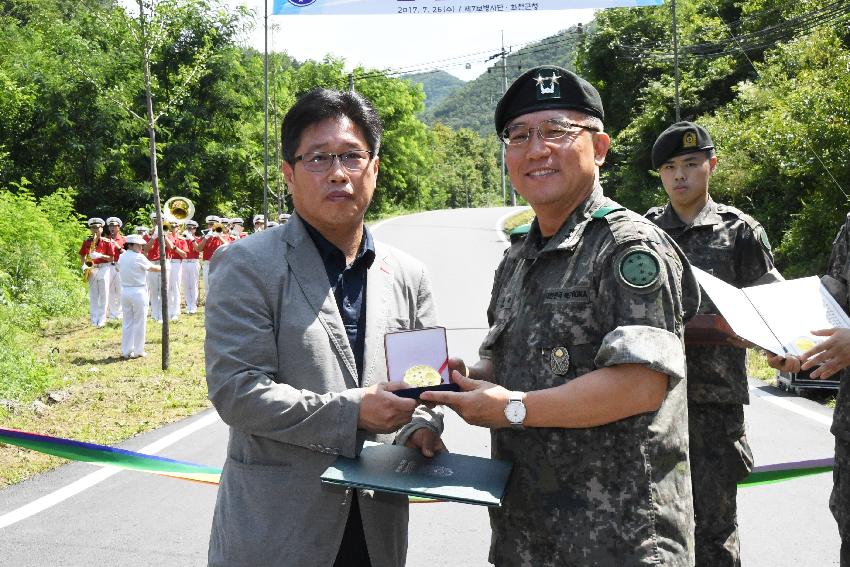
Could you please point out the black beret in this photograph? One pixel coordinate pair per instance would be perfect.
(680, 138)
(545, 88)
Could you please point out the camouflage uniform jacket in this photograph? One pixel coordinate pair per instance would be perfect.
(617, 494)
(837, 280)
(732, 246)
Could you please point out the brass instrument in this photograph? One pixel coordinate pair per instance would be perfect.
(88, 261)
(180, 208)
(217, 228)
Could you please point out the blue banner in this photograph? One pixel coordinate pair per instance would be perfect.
(375, 7)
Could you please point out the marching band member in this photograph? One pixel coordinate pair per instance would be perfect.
(96, 253)
(151, 250)
(134, 267)
(191, 269)
(175, 251)
(283, 217)
(214, 236)
(114, 225)
(271, 224)
(142, 231)
(259, 223)
(237, 230)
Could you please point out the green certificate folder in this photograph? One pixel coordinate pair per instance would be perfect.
(447, 476)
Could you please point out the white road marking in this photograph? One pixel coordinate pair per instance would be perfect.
(786, 404)
(78, 486)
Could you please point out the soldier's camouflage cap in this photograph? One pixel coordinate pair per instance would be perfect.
(680, 138)
(546, 88)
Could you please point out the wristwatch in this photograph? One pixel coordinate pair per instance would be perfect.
(515, 410)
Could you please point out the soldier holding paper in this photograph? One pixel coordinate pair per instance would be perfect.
(733, 247)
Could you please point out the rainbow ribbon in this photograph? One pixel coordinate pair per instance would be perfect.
(110, 456)
(770, 474)
(123, 459)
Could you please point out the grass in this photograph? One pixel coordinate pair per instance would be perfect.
(522, 217)
(109, 399)
(757, 367)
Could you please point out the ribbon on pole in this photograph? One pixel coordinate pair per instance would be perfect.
(123, 459)
(440, 7)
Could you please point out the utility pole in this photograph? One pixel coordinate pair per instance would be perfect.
(266, 121)
(504, 90)
(676, 58)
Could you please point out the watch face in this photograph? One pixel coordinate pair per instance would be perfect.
(515, 412)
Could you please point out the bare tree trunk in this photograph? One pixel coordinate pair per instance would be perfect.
(163, 291)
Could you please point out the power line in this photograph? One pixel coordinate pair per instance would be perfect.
(804, 138)
(477, 57)
(835, 12)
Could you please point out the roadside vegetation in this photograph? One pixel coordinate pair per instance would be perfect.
(96, 396)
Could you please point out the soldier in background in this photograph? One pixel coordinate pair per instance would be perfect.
(97, 254)
(582, 375)
(191, 272)
(733, 247)
(114, 225)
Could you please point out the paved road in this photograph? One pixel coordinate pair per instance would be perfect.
(132, 519)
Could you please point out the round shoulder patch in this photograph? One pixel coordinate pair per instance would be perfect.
(639, 268)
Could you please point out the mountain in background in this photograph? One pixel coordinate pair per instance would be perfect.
(471, 105)
(437, 86)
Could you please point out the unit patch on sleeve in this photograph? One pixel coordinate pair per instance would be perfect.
(639, 269)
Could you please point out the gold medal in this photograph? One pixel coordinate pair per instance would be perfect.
(559, 360)
(422, 375)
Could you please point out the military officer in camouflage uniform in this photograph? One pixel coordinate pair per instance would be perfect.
(582, 375)
(733, 247)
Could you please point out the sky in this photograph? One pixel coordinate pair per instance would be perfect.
(400, 43)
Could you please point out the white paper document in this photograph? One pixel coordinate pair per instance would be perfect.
(778, 317)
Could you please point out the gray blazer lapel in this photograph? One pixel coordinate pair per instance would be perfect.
(379, 283)
(309, 272)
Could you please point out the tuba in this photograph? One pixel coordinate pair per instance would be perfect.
(180, 208)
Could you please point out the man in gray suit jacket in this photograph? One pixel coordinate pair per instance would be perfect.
(295, 357)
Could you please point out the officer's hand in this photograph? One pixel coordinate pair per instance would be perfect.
(478, 403)
(426, 440)
(786, 363)
(381, 411)
(830, 356)
(459, 365)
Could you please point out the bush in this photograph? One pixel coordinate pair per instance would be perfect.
(39, 279)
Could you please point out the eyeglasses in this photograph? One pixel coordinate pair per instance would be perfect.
(555, 129)
(352, 160)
